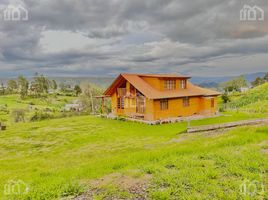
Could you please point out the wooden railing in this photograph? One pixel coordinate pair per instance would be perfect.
(121, 92)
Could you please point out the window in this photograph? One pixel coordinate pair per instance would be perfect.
(164, 104)
(186, 102)
(212, 103)
(183, 84)
(170, 84)
(120, 103)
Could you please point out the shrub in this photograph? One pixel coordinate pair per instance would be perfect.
(4, 110)
(222, 109)
(39, 115)
(18, 115)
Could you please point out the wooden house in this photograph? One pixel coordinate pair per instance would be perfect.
(159, 96)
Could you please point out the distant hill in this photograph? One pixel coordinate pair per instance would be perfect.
(102, 81)
(213, 81)
(255, 100)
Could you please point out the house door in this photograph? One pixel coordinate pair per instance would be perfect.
(140, 102)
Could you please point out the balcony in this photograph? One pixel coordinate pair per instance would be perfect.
(121, 92)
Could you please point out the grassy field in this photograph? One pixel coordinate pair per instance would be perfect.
(60, 158)
(12, 102)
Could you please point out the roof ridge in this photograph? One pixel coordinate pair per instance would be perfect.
(159, 75)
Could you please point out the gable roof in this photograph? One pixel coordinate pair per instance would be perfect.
(152, 93)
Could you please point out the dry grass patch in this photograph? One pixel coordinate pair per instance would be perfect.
(118, 186)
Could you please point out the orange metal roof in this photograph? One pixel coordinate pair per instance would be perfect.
(152, 93)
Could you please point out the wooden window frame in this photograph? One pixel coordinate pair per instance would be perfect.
(164, 104)
(120, 102)
(170, 84)
(186, 101)
(183, 84)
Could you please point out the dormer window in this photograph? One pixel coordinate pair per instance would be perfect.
(183, 84)
(170, 84)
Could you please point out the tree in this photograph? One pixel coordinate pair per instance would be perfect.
(235, 84)
(2, 89)
(257, 81)
(39, 85)
(12, 86)
(265, 78)
(64, 87)
(225, 98)
(54, 85)
(23, 86)
(87, 99)
(77, 90)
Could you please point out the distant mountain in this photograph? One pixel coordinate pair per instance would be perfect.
(209, 82)
(213, 81)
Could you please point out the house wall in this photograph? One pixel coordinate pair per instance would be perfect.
(198, 105)
(205, 105)
(114, 103)
(149, 110)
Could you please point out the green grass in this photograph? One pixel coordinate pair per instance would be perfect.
(13, 102)
(58, 158)
(255, 100)
(51, 101)
(226, 117)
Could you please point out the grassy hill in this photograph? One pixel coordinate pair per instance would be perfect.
(255, 100)
(106, 158)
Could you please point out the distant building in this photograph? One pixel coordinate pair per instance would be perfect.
(75, 106)
(244, 89)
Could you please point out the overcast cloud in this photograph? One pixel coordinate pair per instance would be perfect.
(107, 37)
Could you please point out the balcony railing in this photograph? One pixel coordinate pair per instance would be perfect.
(121, 92)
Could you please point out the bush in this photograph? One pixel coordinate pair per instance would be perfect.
(4, 110)
(18, 115)
(222, 109)
(39, 115)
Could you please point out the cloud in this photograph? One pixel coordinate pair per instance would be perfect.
(86, 37)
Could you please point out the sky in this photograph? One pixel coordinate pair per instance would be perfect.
(108, 37)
